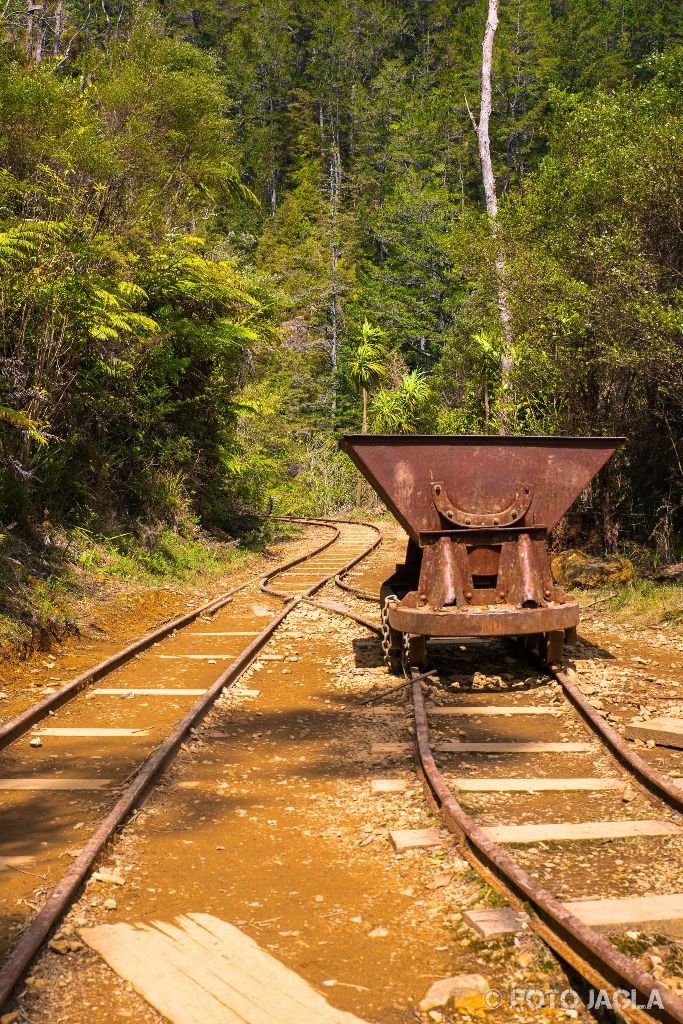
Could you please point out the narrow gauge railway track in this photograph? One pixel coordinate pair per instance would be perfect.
(342, 581)
(579, 945)
(361, 595)
(274, 582)
(138, 767)
(556, 920)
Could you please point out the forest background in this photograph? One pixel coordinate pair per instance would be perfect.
(226, 228)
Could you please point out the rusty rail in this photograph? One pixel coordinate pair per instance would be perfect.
(21, 723)
(362, 595)
(341, 609)
(323, 522)
(67, 889)
(582, 947)
(655, 781)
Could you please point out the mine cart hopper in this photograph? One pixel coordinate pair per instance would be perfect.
(478, 512)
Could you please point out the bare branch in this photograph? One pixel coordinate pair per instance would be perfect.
(472, 117)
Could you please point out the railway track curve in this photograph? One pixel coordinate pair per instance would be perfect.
(575, 942)
(564, 929)
(299, 579)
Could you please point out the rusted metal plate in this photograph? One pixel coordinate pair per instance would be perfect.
(480, 476)
(478, 511)
(496, 621)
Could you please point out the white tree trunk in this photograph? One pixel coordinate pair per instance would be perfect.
(485, 111)
(335, 188)
(489, 181)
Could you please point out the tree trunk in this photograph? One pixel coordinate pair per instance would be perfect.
(39, 36)
(364, 430)
(485, 111)
(58, 24)
(30, 28)
(610, 527)
(489, 182)
(335, 176)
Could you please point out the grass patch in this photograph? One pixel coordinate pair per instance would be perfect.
(489, 896)
(172, 557)
(44, 586)
(647, 601)
(629, 947)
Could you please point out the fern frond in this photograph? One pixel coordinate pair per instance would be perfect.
(21, 421)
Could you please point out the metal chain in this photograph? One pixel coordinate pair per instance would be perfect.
(405, 651)
(386, 630)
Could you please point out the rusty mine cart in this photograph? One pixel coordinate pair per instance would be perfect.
(478, 512)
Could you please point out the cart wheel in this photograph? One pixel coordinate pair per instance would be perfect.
(554, 646)
(533, 643)
(541, 645)
(414, 650)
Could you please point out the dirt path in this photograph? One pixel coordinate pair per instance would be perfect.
(267, 820)
(125, 614)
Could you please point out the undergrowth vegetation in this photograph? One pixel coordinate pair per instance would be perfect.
(648, 601)
(171, 556)
(44, 588)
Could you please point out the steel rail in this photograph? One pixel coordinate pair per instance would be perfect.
(347, 522)
(395, 689)
(341, 609)
(68, 888)
(17, 726)
(264, 580)
(653, 780)
(362, 595)
(21, 723)
(582, 947)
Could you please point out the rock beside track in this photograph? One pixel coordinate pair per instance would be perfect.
(576, 569)
(464, 992)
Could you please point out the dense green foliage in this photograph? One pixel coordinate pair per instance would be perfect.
(124, 324)
(203, 205)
